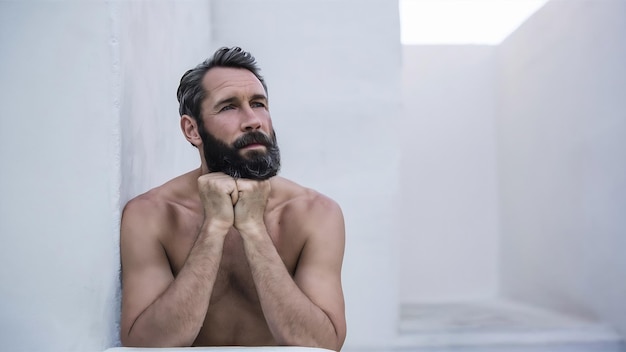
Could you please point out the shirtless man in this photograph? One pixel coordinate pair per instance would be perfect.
(229, 253)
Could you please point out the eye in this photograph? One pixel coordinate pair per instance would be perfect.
(226, 108)
(257, 104)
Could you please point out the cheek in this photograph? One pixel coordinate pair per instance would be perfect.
(220, 130)
(268, 119)
(219, 127)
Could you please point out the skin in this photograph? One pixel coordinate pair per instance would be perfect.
(208, 260)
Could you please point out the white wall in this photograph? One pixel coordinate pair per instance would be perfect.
(448, 210)
(88, 119)
(562, 160)
(333, 71)
(93, 86)
(159, 42)
(59, 175)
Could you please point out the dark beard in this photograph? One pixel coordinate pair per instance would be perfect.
(255, 165)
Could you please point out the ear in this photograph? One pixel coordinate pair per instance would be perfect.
(189, 126)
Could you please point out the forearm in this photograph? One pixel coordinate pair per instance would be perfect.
(177, 315)
(292, 317)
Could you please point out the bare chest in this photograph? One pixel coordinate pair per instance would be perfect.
(234, 316)
(234, 278)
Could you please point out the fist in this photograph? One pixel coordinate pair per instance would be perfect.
(218, 193)
(250, 206)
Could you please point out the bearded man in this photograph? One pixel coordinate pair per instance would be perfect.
(231, 254)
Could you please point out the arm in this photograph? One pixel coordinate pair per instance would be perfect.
(308, 309)
(159, 310)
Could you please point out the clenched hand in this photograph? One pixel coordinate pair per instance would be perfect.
(228, 202)
(250, 207)
(218, 193)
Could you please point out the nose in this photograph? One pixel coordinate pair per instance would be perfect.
(250, 120)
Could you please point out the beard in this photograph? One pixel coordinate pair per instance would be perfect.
(254, 164)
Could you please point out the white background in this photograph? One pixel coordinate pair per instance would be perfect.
(465, 173)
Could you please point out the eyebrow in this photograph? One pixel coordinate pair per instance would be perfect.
(259, 96)
(225, 101)
(231, 100)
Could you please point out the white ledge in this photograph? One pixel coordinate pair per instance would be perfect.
(221, 349)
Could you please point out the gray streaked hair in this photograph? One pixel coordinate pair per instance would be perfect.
(191, 93)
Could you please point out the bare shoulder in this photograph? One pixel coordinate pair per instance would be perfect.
(156, 210)
(148, 211)
(294, 198)
(305, 207)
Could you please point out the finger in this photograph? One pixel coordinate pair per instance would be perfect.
(244, 185)
(234, 195)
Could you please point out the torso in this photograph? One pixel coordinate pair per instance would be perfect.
(234, 316)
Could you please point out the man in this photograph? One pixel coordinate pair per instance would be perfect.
(229, 253)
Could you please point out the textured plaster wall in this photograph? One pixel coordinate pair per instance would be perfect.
(158, 42)
(333, 71)
(88, 119)
(58, 203)
(562, 160)
(448, 203)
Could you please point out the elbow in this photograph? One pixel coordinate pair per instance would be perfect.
(151, 344)
(126, 339)
(130, 337)
(133, 340)
(336, 340)
(136, 340)
(329, 345)
(334, 343)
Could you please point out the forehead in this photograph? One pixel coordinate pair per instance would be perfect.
(221, 82)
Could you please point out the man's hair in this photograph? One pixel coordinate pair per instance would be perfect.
(191, 93)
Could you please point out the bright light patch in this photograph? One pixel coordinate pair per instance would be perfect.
(486, 22)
